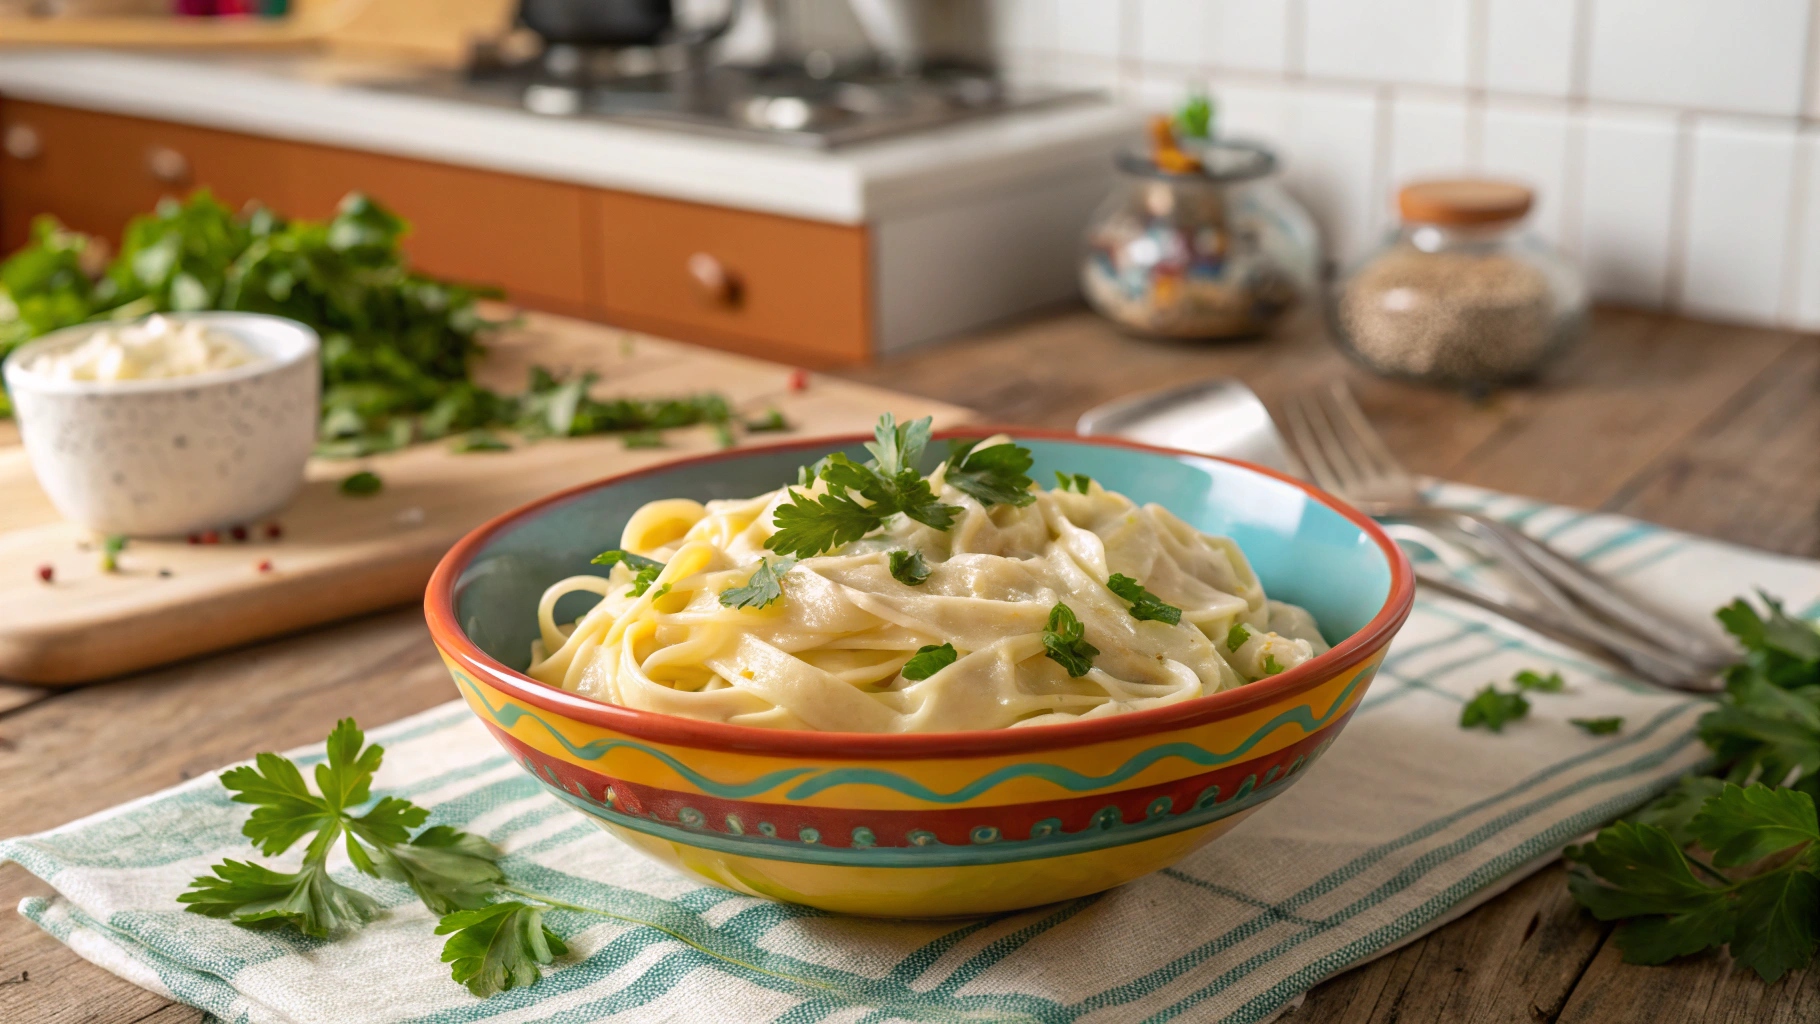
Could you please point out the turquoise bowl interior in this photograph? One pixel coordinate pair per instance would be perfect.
(1303, 551)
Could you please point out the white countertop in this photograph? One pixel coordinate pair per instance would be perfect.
(312, 100)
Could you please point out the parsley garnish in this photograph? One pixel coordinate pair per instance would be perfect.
(1065, 642)
(928, 661)
(908, 568)
(1144, 604)
(452, 870)
(1237, 635)
(111, 546)
(996, 476)
(644, 570)
(772, 420)
(494, 944)
(635, 562)
(1493, 709)
(765, 585)
(1271, 665)
(1530, 679)
(478, 441)
(1599, 726)
(642, 581)
(1637, 873)
(362, 483)
(889, 484)
(1077, 482)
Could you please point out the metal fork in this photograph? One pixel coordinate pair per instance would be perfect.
(1344, 454)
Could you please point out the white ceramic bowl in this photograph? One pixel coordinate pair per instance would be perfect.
(177, 455)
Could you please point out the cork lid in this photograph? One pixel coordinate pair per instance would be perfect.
(1463, 201)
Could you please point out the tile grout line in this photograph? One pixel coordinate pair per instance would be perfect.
(1680, 212)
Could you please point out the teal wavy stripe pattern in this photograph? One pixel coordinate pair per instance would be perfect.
(509, 714)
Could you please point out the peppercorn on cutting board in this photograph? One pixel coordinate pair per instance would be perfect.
(336, 555)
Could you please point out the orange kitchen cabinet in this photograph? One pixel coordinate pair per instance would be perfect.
(522, 234)
(96, 171)
(778, 287)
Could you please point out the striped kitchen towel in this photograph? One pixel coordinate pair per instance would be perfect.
(1407, 822)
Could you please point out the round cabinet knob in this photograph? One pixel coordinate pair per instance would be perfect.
(716, 282)
(167, 165)
(22, 142)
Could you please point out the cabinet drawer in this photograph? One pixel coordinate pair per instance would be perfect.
(481, 227)
(97, 171)
(774, 286)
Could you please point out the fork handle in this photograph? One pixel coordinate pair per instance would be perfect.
(1643, 653)
(1597, 594)
(1637, 659)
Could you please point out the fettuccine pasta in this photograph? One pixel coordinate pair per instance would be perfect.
(833, 646)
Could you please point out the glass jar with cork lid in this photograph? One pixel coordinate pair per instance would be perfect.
(1459, 294)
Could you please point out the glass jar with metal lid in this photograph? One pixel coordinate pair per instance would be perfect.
(1459, 293)
(1208, 247)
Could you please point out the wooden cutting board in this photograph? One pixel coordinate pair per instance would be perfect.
(337, 555)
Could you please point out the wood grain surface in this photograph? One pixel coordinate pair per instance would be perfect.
(339, 556)
(1701, 427)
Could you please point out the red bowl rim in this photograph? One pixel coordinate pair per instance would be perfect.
(439, 610)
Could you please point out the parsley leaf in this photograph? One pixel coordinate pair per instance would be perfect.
(1271, 665)
(1073, 482)
(1744, 825)
(642, 580)
(616, 556)
(1065, 642)
(1677, 913)
(896, 448)
(1492, 709)
(808, 526)
(644, 570)
(998, 475)
(1599, 726)
(448, 869)
(928, 661)
(1530, 679)
(772, 420)
(498, 947)
(763, 587)
(908, 568)
(1674, 811)
(890, 484)
(361, 484)
(257, 897)
(478, 441)
(1237, 636)
(1144, 604)
(1638, 873)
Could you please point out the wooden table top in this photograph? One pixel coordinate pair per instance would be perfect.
(1705, 428)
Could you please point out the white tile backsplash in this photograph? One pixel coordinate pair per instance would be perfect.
(1529, 46)
(1411, 41)
(1735, 55)
(1534, 147)
(1627, 199)
(1428, 139)
(1331, 141)
(1805, 274)
(1092, 28)
(1737, 227)
(1622, 114)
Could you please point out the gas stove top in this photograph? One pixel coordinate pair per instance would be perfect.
(780, 104)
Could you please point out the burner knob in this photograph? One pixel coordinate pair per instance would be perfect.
(718, 284)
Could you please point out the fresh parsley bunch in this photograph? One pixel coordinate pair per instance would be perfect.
(1735, 860)
(497, 936)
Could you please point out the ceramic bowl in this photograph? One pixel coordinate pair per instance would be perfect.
(177, 455)
(933, 824)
